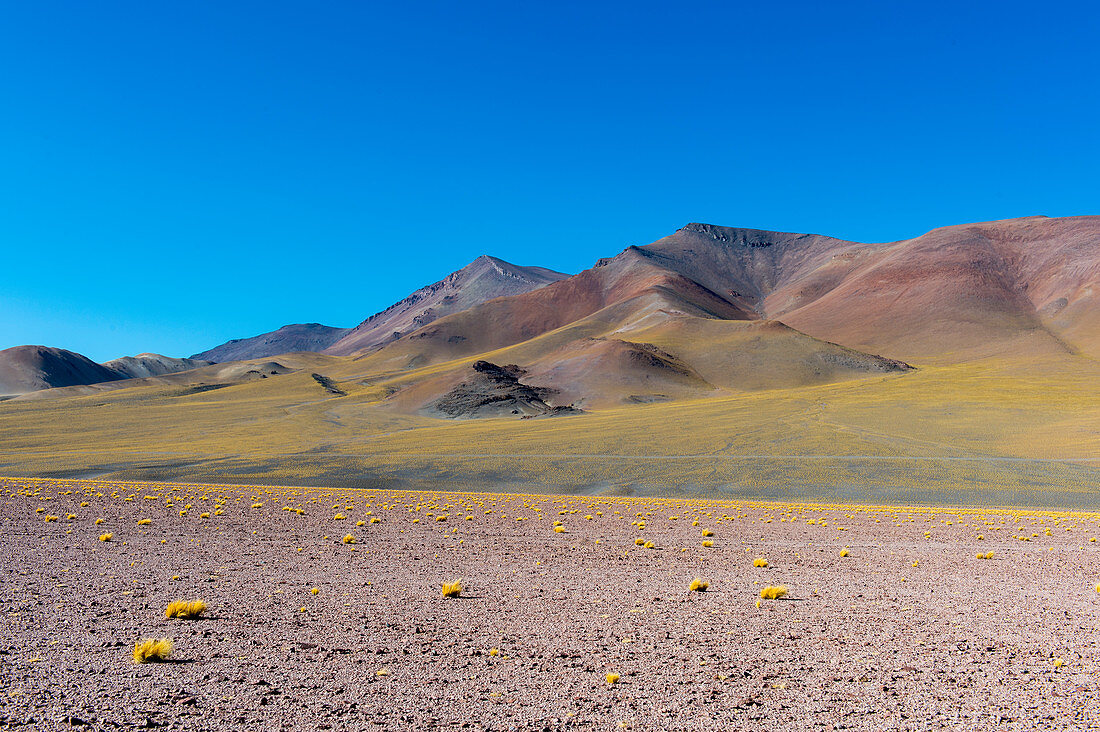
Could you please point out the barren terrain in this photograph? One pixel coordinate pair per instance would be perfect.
(908, 631)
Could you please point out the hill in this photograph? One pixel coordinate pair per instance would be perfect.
(30, 368)
(288, 339)
(152, 364)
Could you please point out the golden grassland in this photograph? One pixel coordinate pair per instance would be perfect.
(993, 432)
(162, 500)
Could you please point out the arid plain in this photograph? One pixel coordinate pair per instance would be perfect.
(325, 611)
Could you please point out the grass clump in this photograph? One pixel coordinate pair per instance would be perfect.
(349, 539)
(106, 537)
(612, 678)
(639, 541)
(699, 585)
(153, 650)
(559, 529)
(452, 589)
(707, 543)
(987, 555)
(144, 522)
(844, 552)
(184, 609)
(773, 592)
(708, 532)
(760, 562)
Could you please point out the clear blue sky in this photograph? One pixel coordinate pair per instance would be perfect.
(173, 175)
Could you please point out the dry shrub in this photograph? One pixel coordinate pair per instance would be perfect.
(699, 585)
(184, 609)
(452, 589)
(149, 650)
(773, 592)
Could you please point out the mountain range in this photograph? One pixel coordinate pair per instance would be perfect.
(707, 310)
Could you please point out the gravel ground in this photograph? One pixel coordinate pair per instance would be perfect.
(910, 631)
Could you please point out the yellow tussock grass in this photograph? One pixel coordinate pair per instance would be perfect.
(99, 521)
(844, 552)
(699, 585)
(773, 592)
(152, 649)
(452, 589)
(184, 609)
(349, 539)
(639, 541)
(649, 545)
(314, 590)
(760, 562)
(105, 537)
(707, 543)
(612, 678)
(708, 532)
(144, 522)
(559, 529)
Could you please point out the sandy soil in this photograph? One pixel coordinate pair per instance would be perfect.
(910, 631)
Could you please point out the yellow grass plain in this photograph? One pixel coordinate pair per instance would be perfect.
(991, 432)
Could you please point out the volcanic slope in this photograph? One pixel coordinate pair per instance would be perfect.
(483, 279)
(822, 307)
(956, 293)
(629, 330)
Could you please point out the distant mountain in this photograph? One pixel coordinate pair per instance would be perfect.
(31, 368)
(151, 364)
(288, 339)
(483, 279)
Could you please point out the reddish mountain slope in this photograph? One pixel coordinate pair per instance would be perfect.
(483, 279)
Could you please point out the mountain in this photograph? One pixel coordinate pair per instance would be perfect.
(31, 368)
(288, 339)
(735, 309)
(151, 364)
(483, 279)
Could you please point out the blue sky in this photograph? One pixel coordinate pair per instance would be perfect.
(175, 175)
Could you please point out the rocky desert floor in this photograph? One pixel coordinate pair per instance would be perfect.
(325, 611)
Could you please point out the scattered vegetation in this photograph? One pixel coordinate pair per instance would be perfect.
(613, 678)
(773, 592)
(149, 650)
(760, 562)
(184, 609)
(452, 589)
(106, 537)
(699, 585)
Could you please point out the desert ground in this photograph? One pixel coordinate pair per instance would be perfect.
(891, 621)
